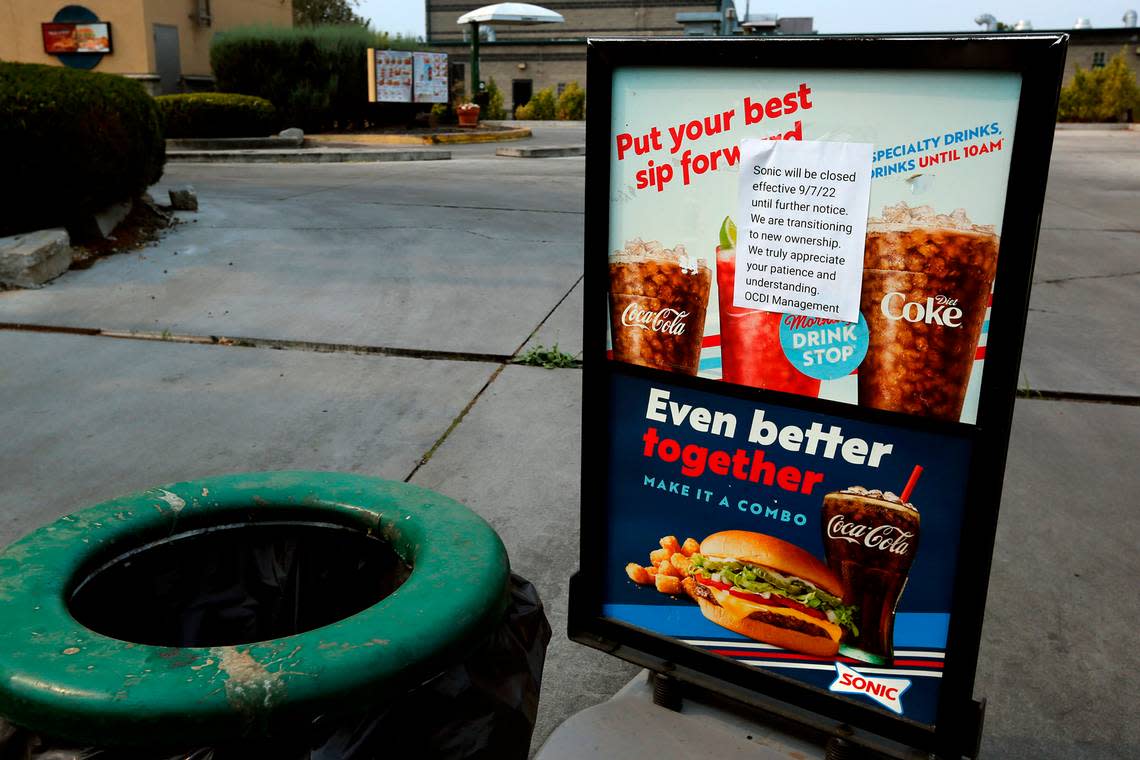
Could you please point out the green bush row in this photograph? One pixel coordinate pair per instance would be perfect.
(1105, 94)
(74, 142)
(216, 114)
(544, 106)
(316, 76)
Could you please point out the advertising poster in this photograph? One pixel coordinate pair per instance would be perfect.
(393, 76)
(430, 77)
(76, 38)
(831, 234)
(817, 547)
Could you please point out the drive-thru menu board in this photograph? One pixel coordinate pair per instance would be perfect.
(803, 340)
(390, 76)
(430, 77)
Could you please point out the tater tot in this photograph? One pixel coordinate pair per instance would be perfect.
(690, 587)
(651, 571)
(681, 563)
(666, 568)
(667, 584)
(637, 574)
(657, 556)
(690, 547)
(671, 544)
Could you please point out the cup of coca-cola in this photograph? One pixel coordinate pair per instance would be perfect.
(870, 539)
(658, 298)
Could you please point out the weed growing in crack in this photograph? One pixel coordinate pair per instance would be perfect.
(548, 358)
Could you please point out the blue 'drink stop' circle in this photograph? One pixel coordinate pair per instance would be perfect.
(826, 349)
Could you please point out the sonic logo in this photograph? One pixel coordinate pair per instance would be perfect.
(885, 691)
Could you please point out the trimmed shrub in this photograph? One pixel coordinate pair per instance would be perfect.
(571, 103)
(540, 108)
(216, 114)
(1105, 94)
(495, 108)
(74, 142)
(316, 76)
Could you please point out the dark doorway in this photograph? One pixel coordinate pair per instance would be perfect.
(521, 91)
(167, 59)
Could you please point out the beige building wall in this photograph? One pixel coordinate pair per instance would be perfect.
(1082, 53)
(584, 18)
(132, 31)
(550, 55)
(22, 41)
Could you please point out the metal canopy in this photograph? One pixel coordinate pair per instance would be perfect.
(511, 13)
(502, 13)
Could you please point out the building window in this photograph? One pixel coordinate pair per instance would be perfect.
(1098, 60)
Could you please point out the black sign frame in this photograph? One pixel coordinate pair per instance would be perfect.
(1039, 60)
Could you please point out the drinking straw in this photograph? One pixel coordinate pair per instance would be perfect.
(910, 484)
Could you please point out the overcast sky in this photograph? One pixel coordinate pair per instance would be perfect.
(831, 16)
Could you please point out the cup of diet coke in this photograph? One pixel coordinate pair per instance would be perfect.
(927, 280)
(658, 298)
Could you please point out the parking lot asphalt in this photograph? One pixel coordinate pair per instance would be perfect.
(380, 308)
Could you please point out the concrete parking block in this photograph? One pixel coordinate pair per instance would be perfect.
(87, 418)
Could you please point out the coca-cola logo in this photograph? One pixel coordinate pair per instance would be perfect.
(936, 310)
(668, 321)
(885, 538)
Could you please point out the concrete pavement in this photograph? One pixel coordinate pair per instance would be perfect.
(482, 256)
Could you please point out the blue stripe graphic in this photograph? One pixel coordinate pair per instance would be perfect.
(925, 630)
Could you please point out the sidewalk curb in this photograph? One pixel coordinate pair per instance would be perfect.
(1112, 126)
(443, 138)
(568, 150)
(303, 156)
(232, 143)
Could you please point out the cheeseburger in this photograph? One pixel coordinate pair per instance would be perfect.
(771, 591)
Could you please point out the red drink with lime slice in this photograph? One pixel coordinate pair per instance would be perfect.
(750, 350)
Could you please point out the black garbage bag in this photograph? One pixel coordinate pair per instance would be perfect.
(481, 708)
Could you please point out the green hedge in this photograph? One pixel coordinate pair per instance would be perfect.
(571, 103)
(216, 114)
(73, 142)
(541, 106)
(315, 76)
(1106, 94)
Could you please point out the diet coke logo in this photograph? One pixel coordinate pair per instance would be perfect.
(885, 538)
(936, 310)
(668, 321)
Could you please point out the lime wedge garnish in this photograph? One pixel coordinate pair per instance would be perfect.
(728, 233)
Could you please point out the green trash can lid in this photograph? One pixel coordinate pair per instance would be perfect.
(62, 679)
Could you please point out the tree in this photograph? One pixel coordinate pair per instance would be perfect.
(1105, 94)
(314, 12)
(1119, 94)
(571, 103)
(495, 108)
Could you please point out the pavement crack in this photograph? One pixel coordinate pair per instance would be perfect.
(548, 315)
(1079, 397)
(494, 376)
(455, 423)
(1087, 277)
(477, 208)
(264, 343)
